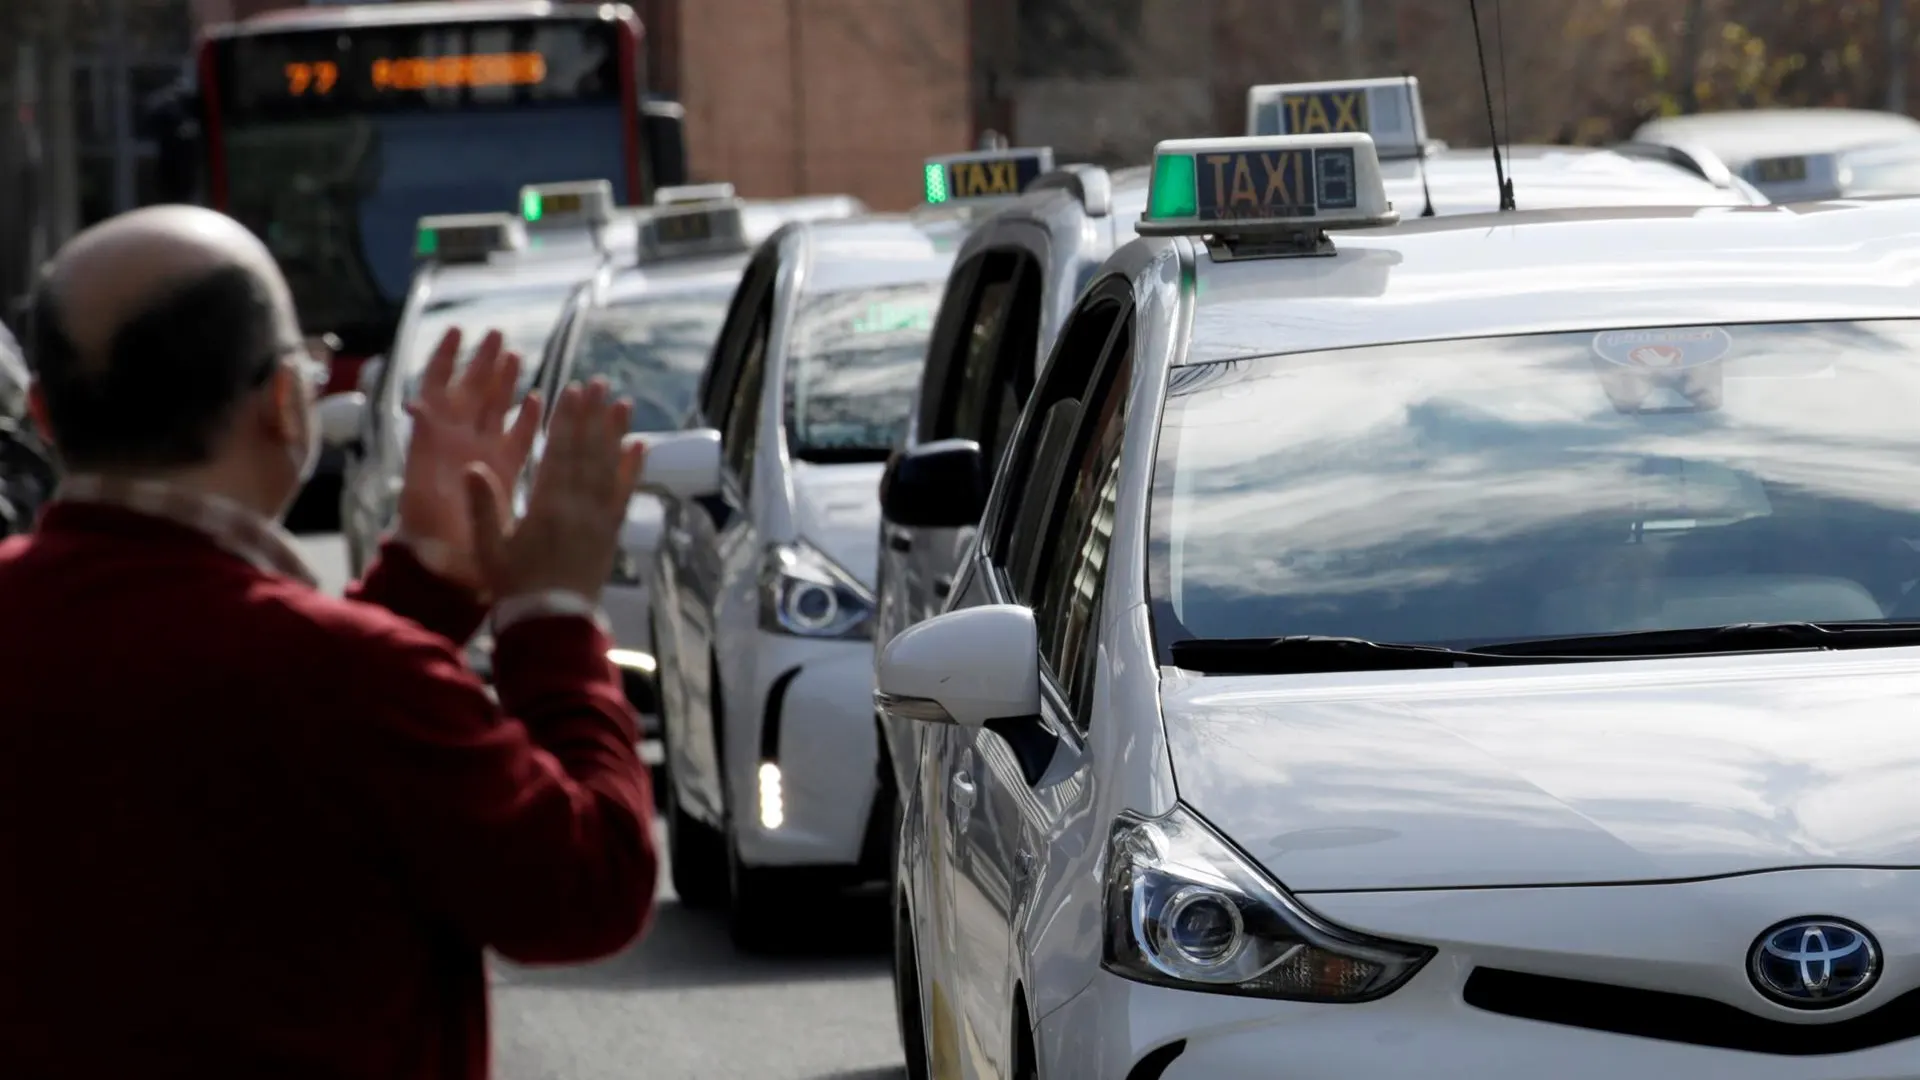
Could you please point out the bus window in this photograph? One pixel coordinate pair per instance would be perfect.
(332, 143)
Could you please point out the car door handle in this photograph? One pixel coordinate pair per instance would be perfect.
(942, 585)
(1023, 864)
(964, 792)
(900, 541)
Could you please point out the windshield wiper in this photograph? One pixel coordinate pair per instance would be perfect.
(1734, 637)
(1303, 653)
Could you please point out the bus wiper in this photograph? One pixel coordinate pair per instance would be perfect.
(1732, 638)
(1304, 653)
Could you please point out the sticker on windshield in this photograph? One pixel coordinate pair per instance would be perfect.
(1675, 349)
(1674, 369)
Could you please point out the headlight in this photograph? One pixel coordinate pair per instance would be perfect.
(1183, 909)
(803, 593)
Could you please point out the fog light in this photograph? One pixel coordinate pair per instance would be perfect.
(632, 660)
(772, 812)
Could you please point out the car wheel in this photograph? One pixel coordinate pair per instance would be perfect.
(906, 996)
(696, 852)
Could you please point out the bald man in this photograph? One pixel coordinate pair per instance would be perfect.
(249, 830)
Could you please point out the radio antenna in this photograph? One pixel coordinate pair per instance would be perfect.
(1420, 152)
(1486, 93)
(1506, 110)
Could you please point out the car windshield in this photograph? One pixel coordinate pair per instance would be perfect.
(1465, 493)
(524, 316)
(653, 350)
(853, 368)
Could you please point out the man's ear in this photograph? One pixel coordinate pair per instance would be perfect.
(37, 408)
(285, 415)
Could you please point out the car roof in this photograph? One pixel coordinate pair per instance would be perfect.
(404, 13)
(1747, 134)
(1542, 271)
(529, 270)
(1548, 177)
(872, 252)
(634, 283)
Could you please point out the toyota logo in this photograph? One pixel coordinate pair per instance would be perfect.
(1814, 963)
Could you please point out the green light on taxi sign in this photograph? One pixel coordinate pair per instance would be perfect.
(936, 183)
(1172, 193)
(427, 244)
(532, 206)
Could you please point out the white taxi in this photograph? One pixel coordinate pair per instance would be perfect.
(764, 574)
(1473, 647)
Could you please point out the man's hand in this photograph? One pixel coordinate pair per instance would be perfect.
(571, 531)
(459, 422)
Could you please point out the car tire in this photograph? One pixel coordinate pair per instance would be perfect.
(696, 852)
(906, 995)
(762, 907)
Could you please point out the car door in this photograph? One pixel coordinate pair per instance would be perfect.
(1046, 551)
(692, 538)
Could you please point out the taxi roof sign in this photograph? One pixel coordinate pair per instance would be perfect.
(462, 238)
(1285, 188)
(984, 174)
(1387, 109)
(1795, 176)
(680, 195)
(567, 205)
(694, 229)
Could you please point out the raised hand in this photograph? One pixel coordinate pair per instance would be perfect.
(570, 533)
(459, 422)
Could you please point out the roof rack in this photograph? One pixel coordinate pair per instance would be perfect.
(1089, 183)
(1697, 160)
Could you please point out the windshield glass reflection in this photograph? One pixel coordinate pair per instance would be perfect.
(853, 368)
(653, 351)
(524, 317)
(1469, 492)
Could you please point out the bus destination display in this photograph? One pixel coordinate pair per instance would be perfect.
(286, 76)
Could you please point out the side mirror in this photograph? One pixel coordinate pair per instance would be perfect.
(967, 667)
(936, 485)
(683, 464)
(663, 132)
(340, 416)
(370, 375)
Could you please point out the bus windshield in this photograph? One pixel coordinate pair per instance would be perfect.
(335, 143)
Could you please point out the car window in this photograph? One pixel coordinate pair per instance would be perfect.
(741, 436)
(852, 367)
(652, 350)
(1074, 555)
(1489, 490)
(1035, 465)
(996, 370)
(525, 317)
(719, 381)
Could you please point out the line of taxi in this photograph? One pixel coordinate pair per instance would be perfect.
(1470, 646)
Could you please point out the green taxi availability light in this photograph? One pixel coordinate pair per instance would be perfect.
(1171, 192)
(1277, 194)
(427, 244)
(936, 183)
(532, 206)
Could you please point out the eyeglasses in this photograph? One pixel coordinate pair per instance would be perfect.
(304, 358)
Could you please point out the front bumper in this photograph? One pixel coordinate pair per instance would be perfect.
(804, 766)
(1670, 959)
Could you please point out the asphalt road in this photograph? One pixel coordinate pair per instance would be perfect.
(683, 1003)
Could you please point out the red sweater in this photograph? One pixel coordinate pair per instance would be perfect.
(249, 830)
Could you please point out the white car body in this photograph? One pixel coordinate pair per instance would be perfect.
(769, 739)
(1633, 825)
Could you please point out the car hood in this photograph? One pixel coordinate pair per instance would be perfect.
(1650, 770)
(836, 508)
